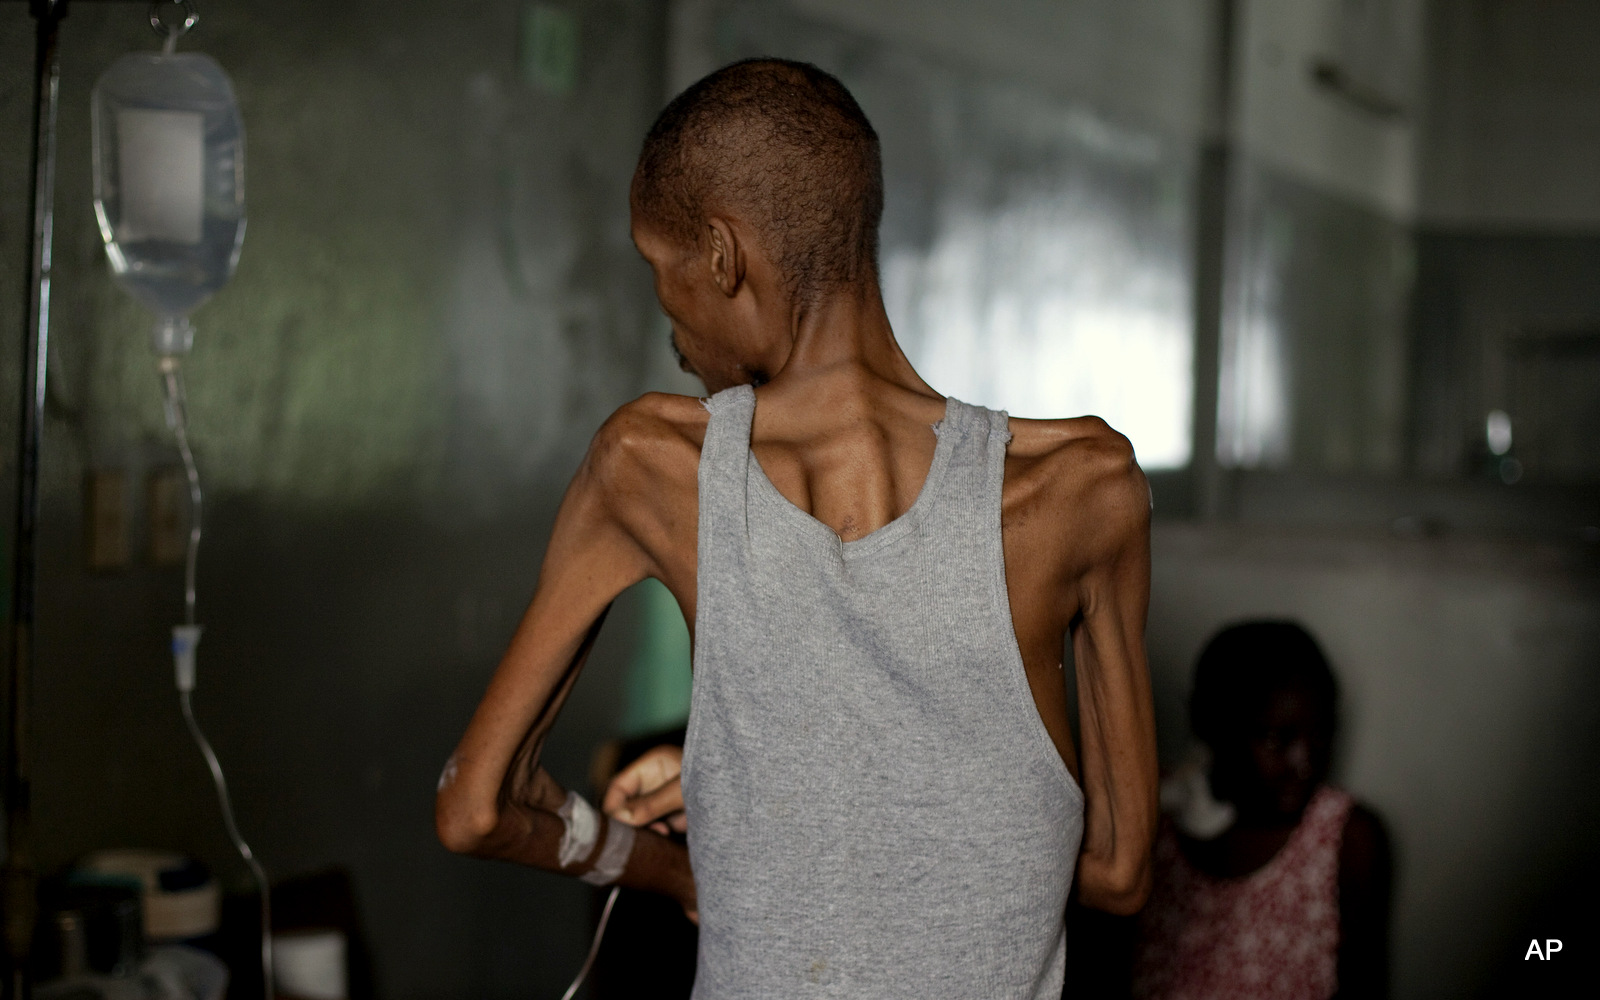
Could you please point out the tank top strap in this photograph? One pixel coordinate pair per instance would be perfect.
(731, 411)
(725, 452)
(969, 487)
(1315, 842)
(1326, 812)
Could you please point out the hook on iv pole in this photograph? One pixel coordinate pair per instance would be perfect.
(175, 31)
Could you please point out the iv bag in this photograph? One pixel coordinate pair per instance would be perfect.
(169, 183)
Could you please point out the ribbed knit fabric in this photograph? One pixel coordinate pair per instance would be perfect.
(875, 808)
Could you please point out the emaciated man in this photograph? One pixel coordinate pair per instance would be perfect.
(880, 784)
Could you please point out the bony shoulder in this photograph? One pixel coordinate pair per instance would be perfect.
(1084, 466)
(1082, 436)
(657, 434)
(668, 409)
(654, 420)
(1083, 450)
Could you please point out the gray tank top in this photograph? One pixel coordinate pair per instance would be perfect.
(875, 808)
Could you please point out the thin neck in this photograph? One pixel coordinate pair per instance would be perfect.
(847, 332)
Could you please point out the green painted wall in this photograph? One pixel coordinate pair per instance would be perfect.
(658, 680)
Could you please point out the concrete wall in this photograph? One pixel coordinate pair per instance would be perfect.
(1315, 347)
(1507, 313)
(1507, 321)
(1513, 124)
(1149, 65)
(436, 304)
(1137, 62)
(1327, 94)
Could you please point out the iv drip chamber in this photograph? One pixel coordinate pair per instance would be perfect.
(169, 183)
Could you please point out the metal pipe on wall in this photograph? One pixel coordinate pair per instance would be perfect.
(1212, 199)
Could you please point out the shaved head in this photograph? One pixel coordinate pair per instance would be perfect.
(782, 146)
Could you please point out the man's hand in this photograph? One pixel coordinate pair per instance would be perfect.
(649, 792)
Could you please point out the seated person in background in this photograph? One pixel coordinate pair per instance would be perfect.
(1280, 887)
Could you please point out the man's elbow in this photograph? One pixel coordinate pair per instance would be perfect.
(462, 828)
(1120, 889)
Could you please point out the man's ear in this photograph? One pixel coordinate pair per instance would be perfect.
(727, 256)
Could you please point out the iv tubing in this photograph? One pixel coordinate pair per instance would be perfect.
(177, 406)
(178, 420)
(594, 948)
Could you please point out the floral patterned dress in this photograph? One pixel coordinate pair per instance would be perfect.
(1271, 934)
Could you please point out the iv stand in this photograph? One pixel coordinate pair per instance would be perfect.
(18, 876)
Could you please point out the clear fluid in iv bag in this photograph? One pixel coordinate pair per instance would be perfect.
(169, 178)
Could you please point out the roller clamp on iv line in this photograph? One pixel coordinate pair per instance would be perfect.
(184, 640)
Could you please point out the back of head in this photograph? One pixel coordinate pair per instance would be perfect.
(1244, 665)
(783, 146)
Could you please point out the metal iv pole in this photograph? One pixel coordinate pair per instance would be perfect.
(18, 874)
(18, 877)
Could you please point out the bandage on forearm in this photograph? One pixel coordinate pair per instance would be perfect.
(580, 828)
(580, 825)
(614, 856)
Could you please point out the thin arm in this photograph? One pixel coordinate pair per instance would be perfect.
(1117, 717)
(495, 800)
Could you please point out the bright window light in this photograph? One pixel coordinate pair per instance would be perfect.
(1048, 308)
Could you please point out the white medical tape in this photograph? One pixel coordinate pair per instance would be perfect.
(614, 856)
(580, 825)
